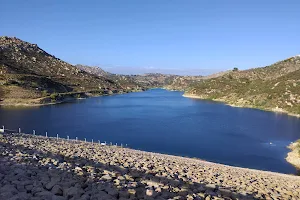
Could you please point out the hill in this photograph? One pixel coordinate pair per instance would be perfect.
(93, 70)
(275, 87)
(124, 81)
(167, 81)
(28, 74)
(148, 80)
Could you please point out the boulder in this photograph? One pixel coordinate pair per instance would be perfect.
(57, 190)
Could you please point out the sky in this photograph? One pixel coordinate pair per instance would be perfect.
(188, 37)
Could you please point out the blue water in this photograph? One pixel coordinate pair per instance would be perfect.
(163, 121)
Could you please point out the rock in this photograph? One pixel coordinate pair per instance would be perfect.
(131, 192)
(111, 191)
(37, 189)
(124, 194)
(57, 190)
(8, 191)
(224, 192)
(21, 188)
(55, 197)
(189, 197)
(84, 197)
(211, 186)
(151, 193)
(106, 177)
(101, 195)
(20, 196)
(44, 195)
(73, 192)
(28, 188)
(117, 182)
(50, 185)
(19, 172)
(208, 198)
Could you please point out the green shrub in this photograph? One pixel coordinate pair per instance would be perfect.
(53, 96)
(45, 93)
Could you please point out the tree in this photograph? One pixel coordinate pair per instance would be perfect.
(235, 69)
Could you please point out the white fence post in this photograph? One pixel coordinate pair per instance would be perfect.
(84, 139)
(46, 134)
(2, 130)
(33, 132)
(19, 130)
(92, 141)
(68, 137)
(56, 136)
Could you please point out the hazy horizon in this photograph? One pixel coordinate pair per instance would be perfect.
(127, 70)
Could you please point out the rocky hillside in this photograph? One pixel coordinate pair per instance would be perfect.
(181, 82)
(124, 81)
(94, 70)
(153, 79)
(275, 87)
(148, 80)
(28, 72)
(167, 81)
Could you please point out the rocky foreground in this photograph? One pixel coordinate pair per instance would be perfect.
(35, 167)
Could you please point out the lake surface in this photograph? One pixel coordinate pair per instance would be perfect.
(164, 121)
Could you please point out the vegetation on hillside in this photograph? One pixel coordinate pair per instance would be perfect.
(148, 80)
(28, 72)
(275, 87)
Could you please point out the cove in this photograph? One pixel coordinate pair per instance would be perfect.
(163, 121)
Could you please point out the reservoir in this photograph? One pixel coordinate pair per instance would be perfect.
(163, 121)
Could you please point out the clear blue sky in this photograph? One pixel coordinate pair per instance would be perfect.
(171, 36)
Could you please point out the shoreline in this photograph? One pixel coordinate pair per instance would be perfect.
(292, 157)
(68, 99)
(274, 110)
(130, 173)
(153, 153)
(16, 105)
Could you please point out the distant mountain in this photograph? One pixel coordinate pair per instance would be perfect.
(275, 87)
(93, 70)
(123, 81)
(148, 80)
(167, 81)
(27, 72)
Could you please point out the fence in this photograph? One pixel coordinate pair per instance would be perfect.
(4, 130)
